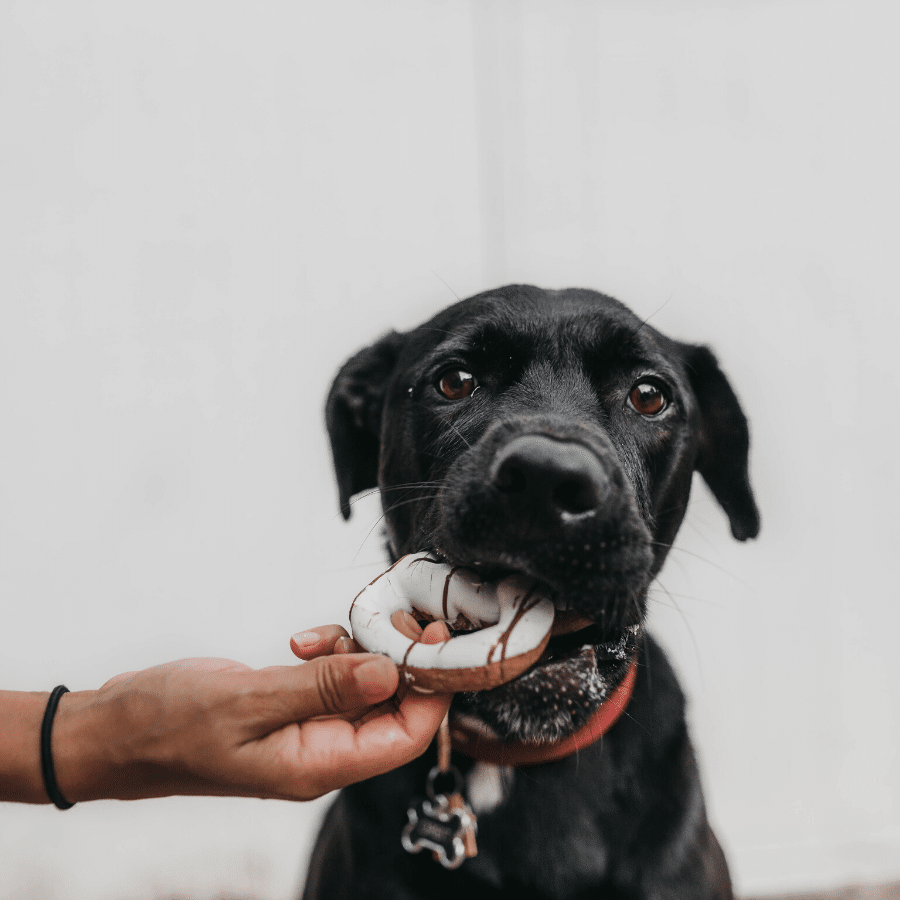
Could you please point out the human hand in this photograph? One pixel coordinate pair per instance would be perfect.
(326, 640)
(217, 727)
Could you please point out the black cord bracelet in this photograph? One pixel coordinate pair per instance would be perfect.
(50, 785)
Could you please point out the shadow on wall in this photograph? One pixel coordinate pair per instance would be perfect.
(868, 892)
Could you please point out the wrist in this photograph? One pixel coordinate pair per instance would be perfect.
(107, 745)
(81, 757)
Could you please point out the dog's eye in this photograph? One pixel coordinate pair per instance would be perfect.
(647, 399)
(456, 384)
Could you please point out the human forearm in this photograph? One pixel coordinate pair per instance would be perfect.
(210, 726)
(21, 714)
(82, 762)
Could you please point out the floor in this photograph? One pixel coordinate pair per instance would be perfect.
(870, 892)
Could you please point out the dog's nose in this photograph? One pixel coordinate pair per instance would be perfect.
(541, 474)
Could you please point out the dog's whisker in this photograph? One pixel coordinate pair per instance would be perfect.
(410, 500)
(665, 512)
(637, 607)
(450, 424)
(693, 598)
(700, 533)
(412, 488)
(687, 624)
(408, 491)
(462, 437)
(409, 488)
(380, 519)
(436, 330)
(393, 487)
(675, 547)
(444, 283)
(350, 567)
(364, 496)
(659, 601)
(639, 724)
(654, 313)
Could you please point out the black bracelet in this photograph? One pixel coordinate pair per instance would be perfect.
(50, 785)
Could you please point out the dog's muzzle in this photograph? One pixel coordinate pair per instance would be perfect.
(551, 502)
(543, 480)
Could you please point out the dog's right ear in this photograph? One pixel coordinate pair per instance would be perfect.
(353, 416)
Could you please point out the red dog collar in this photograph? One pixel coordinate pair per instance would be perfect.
(485, 749)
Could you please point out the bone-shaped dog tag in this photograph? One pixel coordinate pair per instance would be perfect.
(457, 803)
(445, 825)
(434, 826)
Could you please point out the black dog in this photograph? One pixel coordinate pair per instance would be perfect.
(551, 433)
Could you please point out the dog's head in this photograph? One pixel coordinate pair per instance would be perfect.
(550, 433)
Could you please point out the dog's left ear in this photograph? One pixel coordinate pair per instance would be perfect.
(353, 416)
(725, 441)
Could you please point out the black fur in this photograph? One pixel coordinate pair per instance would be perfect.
(547, 468)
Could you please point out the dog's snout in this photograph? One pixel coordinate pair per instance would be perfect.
(539, 474)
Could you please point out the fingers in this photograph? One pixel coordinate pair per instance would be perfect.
(324, 640)
(347, 645)
(323, 750)
(325, 686)
(406, 625)
(345, 680)
(321, 641)
(335, 754)
(435, 633)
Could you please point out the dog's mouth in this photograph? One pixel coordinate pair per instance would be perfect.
(580, 667)
(560, 692)
(587, 647)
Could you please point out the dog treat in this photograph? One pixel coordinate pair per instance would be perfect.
(507, 624)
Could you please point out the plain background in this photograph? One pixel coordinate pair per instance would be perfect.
(205, 207)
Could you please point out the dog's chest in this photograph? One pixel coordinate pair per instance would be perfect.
(487, 786)
(557, 847)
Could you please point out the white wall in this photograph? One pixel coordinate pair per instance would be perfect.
(205, 207)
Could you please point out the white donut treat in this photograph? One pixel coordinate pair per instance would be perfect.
(508, 624)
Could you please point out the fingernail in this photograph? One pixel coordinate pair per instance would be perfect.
(343, 645)
(406, 624)
(305, 639)
(375, 679)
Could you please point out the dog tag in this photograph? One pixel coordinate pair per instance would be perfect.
(443, 824)
(434, 827)
(457, 803)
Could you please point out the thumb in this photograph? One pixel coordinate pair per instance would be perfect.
(331, 685)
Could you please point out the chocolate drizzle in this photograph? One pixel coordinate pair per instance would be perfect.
(376, 578)
(471, 668)
(503, 640)
(403, 668)
(444, 606)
